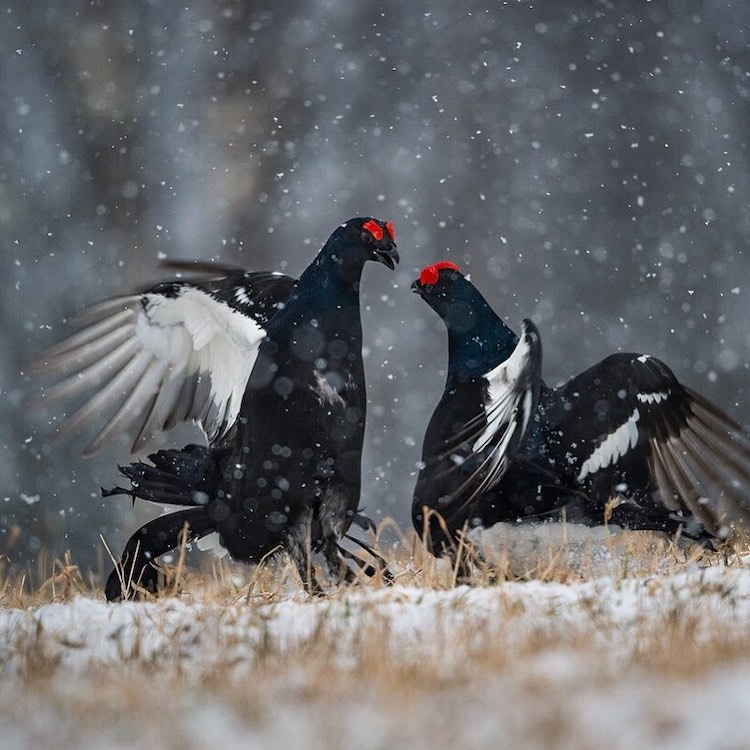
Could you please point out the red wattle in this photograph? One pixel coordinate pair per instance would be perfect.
(430, 274)
(374, 229)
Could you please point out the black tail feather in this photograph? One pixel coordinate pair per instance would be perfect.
(137, 566)
(174, 477)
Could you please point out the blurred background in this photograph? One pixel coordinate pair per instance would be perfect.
(588, 166)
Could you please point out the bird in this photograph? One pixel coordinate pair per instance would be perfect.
(623, 442)
(270, 368)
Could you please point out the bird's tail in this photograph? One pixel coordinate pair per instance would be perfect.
(184, 477)
(137, 569)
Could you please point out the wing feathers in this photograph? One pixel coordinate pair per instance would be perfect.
(701, 463)
(111, 396)
(140, 399)
(158, 416)
(698, 458)
(93, 376)
(177, 353)
(81, 349)
(496, 434)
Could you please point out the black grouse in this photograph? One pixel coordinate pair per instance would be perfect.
(271, 369)
(623, 442)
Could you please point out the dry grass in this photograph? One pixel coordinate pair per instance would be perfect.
(513, 675)
(633, 554)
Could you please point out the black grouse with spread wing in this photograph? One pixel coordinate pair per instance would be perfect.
(271, 369)
(623, 442)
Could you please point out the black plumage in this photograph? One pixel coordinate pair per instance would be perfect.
(272, 370)
(623, 442)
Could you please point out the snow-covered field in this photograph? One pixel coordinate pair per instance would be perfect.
(617, 662)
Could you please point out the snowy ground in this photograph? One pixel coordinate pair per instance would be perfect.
(612, 662)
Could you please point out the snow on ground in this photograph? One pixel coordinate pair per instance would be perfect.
(87, 632)
(624, 663)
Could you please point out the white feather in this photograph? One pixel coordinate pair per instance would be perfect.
(178, 341)
(502, 380)
(613, 447)
(651, 398)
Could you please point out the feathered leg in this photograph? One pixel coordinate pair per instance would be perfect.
(337, 567)
(298, 545)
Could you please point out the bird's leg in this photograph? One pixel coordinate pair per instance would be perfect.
(334, 519)
(337, 567)
(307, 574)
(462, 570)
(299, 548)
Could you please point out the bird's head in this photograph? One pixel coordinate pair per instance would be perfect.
(437, 285)
(361, 239)
(453, 297)
(477, 337)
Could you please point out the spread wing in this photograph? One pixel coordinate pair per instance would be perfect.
(697, 458)
(181, 351)
(497, 431)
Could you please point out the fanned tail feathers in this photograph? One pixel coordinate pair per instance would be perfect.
(174, 477)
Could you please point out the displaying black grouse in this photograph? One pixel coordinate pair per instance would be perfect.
(623, 442)
(272, 371)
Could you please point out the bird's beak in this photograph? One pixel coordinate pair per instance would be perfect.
(416, 287)
(388, 257)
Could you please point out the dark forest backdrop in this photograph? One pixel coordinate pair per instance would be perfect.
(588, 163)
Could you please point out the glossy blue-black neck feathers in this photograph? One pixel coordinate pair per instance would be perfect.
(478, 339)
(329, 284)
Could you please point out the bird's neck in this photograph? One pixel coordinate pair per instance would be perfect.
(478, 340)
(326, 292)
(331, 271)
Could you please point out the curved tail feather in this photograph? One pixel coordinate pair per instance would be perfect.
(137, 568)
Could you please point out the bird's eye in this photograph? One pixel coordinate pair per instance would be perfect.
(374, 229)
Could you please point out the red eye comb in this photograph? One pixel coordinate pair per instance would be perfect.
(430, 274)
(374, 229)
(391, 230)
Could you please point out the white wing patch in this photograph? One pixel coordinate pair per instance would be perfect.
(224, 345)
(652, 398)
(155, 361)
(241, 296)
(615, 445)
(507, 411)
(502, 382)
